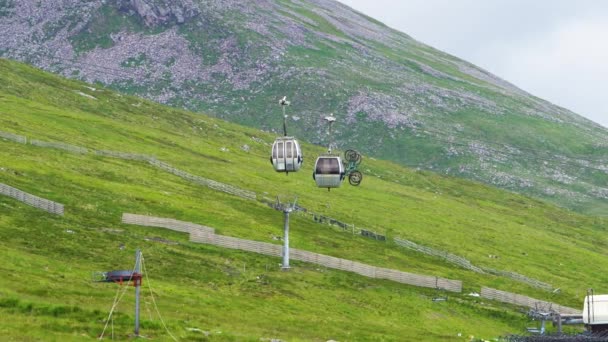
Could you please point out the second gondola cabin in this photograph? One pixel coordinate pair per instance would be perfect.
(286, 155)
(329, 171)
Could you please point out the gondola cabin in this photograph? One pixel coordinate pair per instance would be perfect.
(286, 155)
(595, 313)
(329, 171)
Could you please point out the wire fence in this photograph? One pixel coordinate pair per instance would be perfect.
(233, 190)
(464, 263)
(13, 137)
(34, 201)
(521, 300)
(215, 185)
(124, 155)
(520, 278)
(60, 146)
(454, 259)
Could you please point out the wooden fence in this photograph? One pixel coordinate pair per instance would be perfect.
(34, 201)
(178, 226)
(516, 299)
(202, 234)
(328, 261)
(236, 243)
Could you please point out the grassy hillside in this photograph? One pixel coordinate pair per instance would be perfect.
(401, 99)
(48, 260)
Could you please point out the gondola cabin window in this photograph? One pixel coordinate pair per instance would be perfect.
(328, 166)
(280, 147)
(288, 149)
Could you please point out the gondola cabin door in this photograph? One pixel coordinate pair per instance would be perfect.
(286, 155)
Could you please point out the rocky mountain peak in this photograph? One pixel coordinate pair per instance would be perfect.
(158, 12)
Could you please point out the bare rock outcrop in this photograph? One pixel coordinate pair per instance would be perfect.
(157, 12)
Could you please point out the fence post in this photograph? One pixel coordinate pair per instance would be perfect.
(285, 265)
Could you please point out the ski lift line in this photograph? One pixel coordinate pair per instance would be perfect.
(143, 263)
(115, 304)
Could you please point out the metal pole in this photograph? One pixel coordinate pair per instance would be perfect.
(542, 326)
(284, 122)
(137, 282)
(283, 102)
(330, 119)
(285, 266)
(559, 323)
(330, 137)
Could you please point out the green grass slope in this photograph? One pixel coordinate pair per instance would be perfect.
(46, 262)
(395, 98)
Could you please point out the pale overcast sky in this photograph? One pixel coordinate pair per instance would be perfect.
(554, 49)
